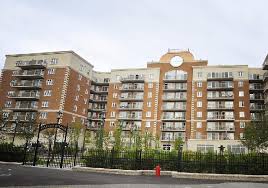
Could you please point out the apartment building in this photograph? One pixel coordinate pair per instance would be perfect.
(39, 85)
(265, 67)
(175, 97)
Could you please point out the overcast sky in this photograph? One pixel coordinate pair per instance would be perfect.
(125, 33)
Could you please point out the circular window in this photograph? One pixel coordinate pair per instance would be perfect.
(176, 61)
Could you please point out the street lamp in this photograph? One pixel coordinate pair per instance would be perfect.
(59, 116)
(15, 131)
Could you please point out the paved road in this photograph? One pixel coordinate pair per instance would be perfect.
(17, 175)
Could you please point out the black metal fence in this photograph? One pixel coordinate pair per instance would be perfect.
(225, 163)
(179, 161)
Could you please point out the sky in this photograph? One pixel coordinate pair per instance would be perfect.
(113, 34)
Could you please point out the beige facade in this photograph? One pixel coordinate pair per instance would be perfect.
(175, 97)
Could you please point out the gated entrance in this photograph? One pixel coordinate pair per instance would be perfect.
(41, 154)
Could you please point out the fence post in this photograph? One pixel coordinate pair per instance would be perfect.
(48, 155)
(75, 154)
(63, 147)
(36, 147)
(179, 158)
(25, 152)
(112, 157)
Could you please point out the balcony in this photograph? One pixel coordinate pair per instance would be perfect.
(92, 91)
(25, 96)
(29, 74)
(171, 99)
(133, 79)
(174, 80)
(220, 118)
(169, 89)
(98, 100)
(130, 99)
(255, 88)
(256, 98)
(130, 108)
(130, 117)
(34, 64)
(171, 138)
(97, 109)
(178, 109)
(98, 83)
(220, 128)
(172, 128)
(220, 107)
(169, 118)
(96, 118)
(27, 85)
(25, 107)
(220, 98)
(24, 118)
(221, 88)
(130, 127)
(122, 89)
(254, 107)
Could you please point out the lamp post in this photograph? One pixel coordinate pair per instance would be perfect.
(59, 116)
(15, 131)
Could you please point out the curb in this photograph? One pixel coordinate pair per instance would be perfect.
(179, 175)
(229, 177)
(4, 162)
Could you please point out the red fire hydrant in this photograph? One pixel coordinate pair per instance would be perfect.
(157, 170)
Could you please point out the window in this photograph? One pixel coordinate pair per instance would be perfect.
(241, 104)
(151, 76)
(78, 87)
(114, 95)
(240, 74)
(8, 104)
(149, 104)
(198, 124)
(73, 120)
(166, 147)
(51, 71)
(241, 135)
(199, 75)
(112, 114)
(47, 93)
(199, 84)
(115, 86)
(241, 93)
(54, 61)
(85, 101)
(118, 77)
(242, 114)
(84, 111)
(148, 124)
(10, 93)
(240, 84)
(199, 94)
(112, 124)
(113, 104)
(75, 108)
(76, 98)
(43, 115)
(242, 125)
(199, 114)
(45, 104)
(205, 148)
(86, 91)
(199, 104)
(150, 94)
(150, 85)
(49, 82)
(79, 77)
(148, 114)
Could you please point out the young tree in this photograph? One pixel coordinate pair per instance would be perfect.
(178, 142)
(118, 138)
(255, 135)
(76, 130)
